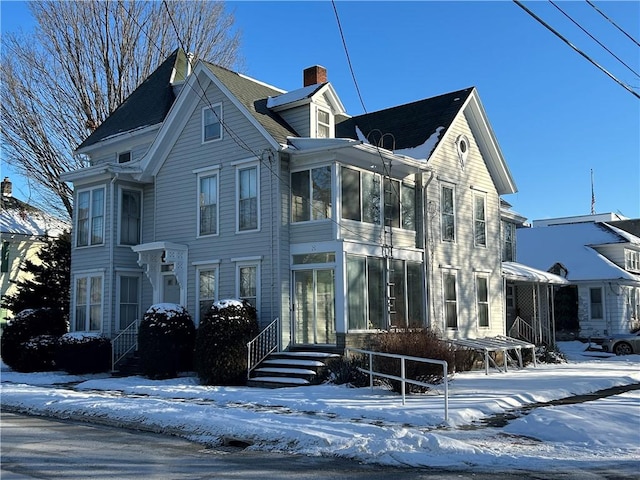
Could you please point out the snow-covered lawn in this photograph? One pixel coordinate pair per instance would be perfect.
(373, 425)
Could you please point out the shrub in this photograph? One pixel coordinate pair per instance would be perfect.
(165, 341)
(423, 343)
(23, 327)
(80, 353)
(221, 342)
(38, 354)
(344, 370)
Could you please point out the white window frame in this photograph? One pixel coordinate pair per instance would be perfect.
(119, 276)
(456, 301)
(310, 200)
(212, 172)
(239, 168)
(483, 197)
(602, 303)
(87, 276)
(442, 213)
(248, 264)
(91, 216)
(318, 124)
(206, 267)
(122, 189)
(487, 302)
(218, 116)
(508, 247)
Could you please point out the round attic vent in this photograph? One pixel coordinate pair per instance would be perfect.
(462, 146)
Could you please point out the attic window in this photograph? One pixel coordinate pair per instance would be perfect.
(462, 147)
(124, 157)
(212, 123)
(324, 124)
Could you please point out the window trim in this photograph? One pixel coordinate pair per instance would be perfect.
(318, 123)
(119, 277)
(454, 274)
(245, 264)
(240, 167)
(87, 275)
(121, 191)
(204, 125)
(483, 197)
(310, 200)
(508, 247)
(602, 304)
(205, 267)
(452, 214)
(213, 172)
(91, 217)
(487, 302)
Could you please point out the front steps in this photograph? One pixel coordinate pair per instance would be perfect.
(290, 369)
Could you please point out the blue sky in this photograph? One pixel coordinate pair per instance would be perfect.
(556, 116)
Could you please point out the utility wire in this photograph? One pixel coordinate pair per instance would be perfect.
(602, 69)
(613, 23)
(593, 38)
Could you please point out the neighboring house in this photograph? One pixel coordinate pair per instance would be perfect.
(207, 184)
(23, 231)
(600, 258)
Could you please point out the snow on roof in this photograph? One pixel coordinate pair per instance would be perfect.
(422, 152)
(542, 247)
(20, 218)
(524, 273)
(293, 96)
(629, 237)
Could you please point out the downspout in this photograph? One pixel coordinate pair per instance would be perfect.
(425, 250)
(112, 240)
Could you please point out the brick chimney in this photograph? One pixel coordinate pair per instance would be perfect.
(314, 75)
(6, 187)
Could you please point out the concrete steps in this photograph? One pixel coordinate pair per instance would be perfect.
(290, 369)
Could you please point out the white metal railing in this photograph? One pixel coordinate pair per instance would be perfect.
(402, 378)
(267, 342)
(521, 329)
(123, 343)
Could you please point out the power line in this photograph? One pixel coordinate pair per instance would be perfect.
(602, 69)
(592, 37)
(613, 23)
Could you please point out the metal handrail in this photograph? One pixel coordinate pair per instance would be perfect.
(522, 329)
(402, 378)
(123, 343)
(267, 342)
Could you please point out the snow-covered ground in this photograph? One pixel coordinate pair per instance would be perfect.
(373, 425)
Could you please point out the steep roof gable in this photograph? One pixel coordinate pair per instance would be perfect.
(147, 105)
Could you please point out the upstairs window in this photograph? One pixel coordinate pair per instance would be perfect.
(130, 217)
(90, 218)
(508, 242)
(323, 128)
(479, 221)
(632, 260)
(311, 194)
(208, 205)
(247, 197)
(447, 213)
(212, 123)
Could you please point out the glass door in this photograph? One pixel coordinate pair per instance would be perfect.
(314, 307)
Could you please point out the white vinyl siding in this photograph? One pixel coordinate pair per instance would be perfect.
(90, 217)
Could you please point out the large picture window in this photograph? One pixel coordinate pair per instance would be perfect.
(130, 217)
(447, 212)
(208, 205)
(311, 194)
(212, 123)
(247, 195)
(90, 218)
(88, 303)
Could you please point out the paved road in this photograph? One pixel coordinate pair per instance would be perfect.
(44, 448)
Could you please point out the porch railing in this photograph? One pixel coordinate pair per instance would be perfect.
(124, 343)
(267, 342)
(522, 330)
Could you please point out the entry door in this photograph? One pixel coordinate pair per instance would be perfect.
(314, 307)
(170, 289)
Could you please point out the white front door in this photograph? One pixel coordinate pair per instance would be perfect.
(314, 304)
(170, 289)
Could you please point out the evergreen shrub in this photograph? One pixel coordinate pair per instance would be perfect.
(80, 353)
(165, 341)
(25, 326)
(424, 343)
(38, 354)
(221, 342)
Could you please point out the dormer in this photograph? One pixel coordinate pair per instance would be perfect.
(310, 110)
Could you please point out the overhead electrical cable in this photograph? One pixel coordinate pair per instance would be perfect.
(593, 38)
(613, 23)
(556, 33)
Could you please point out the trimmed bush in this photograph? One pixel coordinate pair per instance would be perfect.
(80, 353)
(14, 343)
(221, 342)
(423, 343)
(165, 341)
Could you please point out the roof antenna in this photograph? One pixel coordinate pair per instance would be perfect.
(593, 196)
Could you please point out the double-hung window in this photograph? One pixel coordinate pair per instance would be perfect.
(207, 289)
(596, 303)
(447, 213)
(482, 297)
(311, 194)
(129, 300)
(212, 123)
(247, 283)
(208, 204)
(88, 303)
(323, 129)
(130, 217)
(247, 198)
(90, 218)
(450, 300)
(508, 241)
(479, 220)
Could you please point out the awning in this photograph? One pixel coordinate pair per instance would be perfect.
(518, 272)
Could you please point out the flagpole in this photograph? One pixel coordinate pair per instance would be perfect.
(593, 196)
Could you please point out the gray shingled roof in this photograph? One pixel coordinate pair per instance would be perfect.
(147, 105)
(253, 95)
(410, 124)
